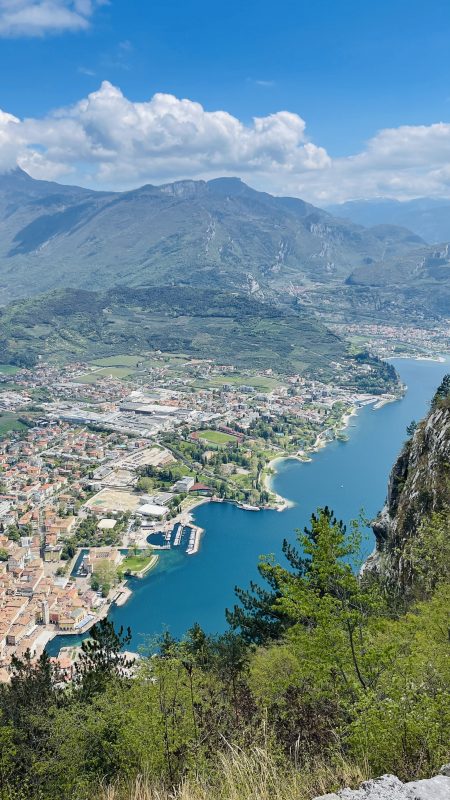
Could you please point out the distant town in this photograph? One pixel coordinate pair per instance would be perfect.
(101, 465)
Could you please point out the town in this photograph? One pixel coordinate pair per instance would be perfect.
(102, 464)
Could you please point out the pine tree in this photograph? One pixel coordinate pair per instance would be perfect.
(101, 658)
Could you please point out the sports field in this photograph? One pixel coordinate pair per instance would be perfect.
(216, 437)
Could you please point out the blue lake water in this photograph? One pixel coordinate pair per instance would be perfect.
(347, 476)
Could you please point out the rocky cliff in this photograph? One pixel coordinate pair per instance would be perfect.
(419, 485)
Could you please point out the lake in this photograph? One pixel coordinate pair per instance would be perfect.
(347, 476)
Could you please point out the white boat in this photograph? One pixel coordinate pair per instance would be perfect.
(248, 507)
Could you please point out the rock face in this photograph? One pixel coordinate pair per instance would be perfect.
(418, 485)
(388, 787)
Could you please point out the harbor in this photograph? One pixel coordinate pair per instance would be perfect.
(182, 535)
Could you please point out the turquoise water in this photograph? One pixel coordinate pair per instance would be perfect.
(347, 476)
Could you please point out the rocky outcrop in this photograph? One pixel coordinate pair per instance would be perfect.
(419, 484)
(388, 787)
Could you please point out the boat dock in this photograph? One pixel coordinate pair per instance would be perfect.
(194, 540)
(182, 534)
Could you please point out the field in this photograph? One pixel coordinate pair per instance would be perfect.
(105, 372)
(118, 361)
(262, 383)
(8, 369)
(216, 437)
(10, 422)
(114, 500)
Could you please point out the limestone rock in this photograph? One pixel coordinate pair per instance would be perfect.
(389, 787)
(418, 485)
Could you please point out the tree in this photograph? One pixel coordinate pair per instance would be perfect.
(26, 706)
(331, 607)
(442, 392)
(101, 659)
(321, 595)
(197, 646)
(13, 533)
(258, 617)
(426, 556)
(411, 428)
(104, 575)
(232, 655)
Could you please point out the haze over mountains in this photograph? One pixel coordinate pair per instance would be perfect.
(428, 217)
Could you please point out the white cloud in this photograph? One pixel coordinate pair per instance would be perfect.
(107, 141)
(86, 71)
(9, 140)
(404, 162)
(266, 84)
(41, 17)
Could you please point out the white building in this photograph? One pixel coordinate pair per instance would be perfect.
(153, 510)
(183, 485)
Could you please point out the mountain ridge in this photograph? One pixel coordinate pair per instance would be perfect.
(218, 232)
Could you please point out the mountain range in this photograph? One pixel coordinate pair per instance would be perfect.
(218, 233)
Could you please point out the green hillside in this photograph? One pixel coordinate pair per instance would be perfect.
(420, 279)
(228, 327)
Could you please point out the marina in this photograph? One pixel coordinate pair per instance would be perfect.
(180, 535)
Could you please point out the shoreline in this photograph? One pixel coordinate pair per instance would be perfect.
(321, 442)
(436, 359)
(283, 503)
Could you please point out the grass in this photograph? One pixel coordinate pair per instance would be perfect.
(8, 369)
(10, 422)
(118, 361)
(248, 776)
(216, 437)
(10, 386)
(136, 563)
(244, 481)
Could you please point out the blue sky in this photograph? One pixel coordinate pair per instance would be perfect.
(348, 69)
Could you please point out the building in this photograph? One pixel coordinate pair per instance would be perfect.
(45, 611)
(153, 510)
(201, 489)
(98, 554)
(52, 552)
(183, 485)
